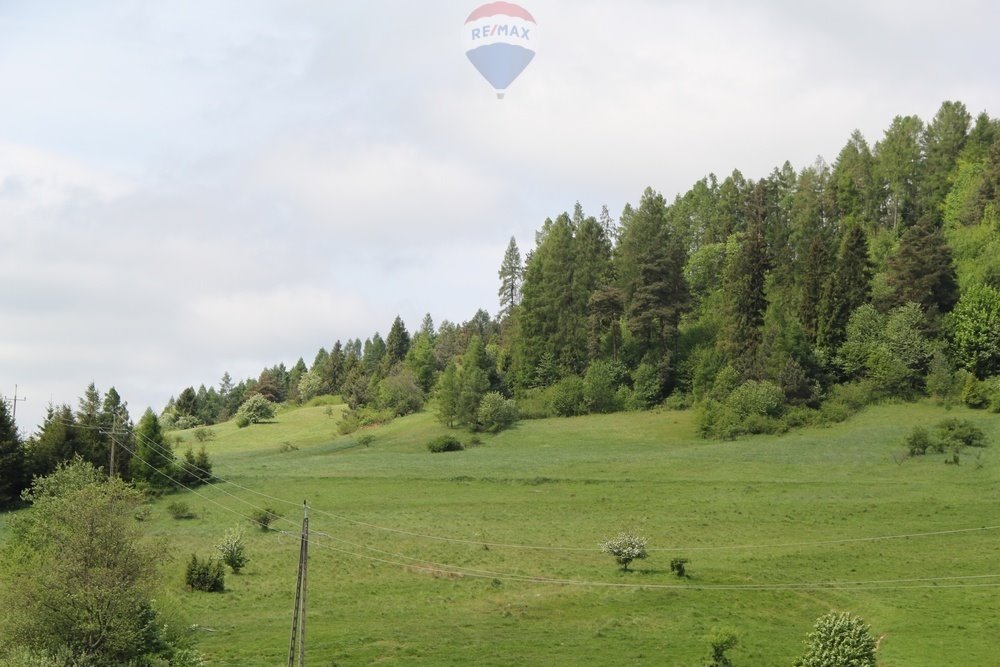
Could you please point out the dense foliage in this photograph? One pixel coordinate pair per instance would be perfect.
(795, 298)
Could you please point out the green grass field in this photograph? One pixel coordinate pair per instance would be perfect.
(735, 509)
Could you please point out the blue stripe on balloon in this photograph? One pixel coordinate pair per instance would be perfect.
(500, 64)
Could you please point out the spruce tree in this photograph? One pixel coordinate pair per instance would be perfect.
(942, 141)
(116, 423)
(847, 288)
(154, 462)
(746, 277)
(510, 274)
(921, 270)
(13, 471)
(447, 395)
(397, 343)
(811, 281)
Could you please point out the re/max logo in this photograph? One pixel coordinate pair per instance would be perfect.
(501, 30)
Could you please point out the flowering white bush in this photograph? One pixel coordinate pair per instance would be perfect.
(839, 639)
(626, 548)
(233, 550)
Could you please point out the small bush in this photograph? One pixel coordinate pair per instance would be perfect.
(959, 433)
(626, 548)
(180, 510)
(678, 567)
(242, 421)
(445, 443)
(918, 442)
(975, 393)
(753, 398)
(678, 400)
(534, 403)
(195, 469)
(202, 434)
(232, 550)
(287, 447)
(567, 397)
(839, 639)
(647, 385)
(365, 440)
(496, 412)
(722, 641)
(352, 420)
(264, 518)
(205, 575)
(254, 410)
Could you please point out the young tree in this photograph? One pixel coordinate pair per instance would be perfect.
(897, 170)
(154, 462)
(79, 578)
(447, 395)
(626, 548)
(510, 273)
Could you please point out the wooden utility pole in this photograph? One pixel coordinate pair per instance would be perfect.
(13, 405)
(297, 644)
(114, 431)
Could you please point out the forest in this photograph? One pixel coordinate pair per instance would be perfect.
(767, 304)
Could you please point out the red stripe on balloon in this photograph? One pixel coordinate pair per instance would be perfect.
(504, 8)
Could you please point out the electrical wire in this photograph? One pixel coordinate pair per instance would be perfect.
(536, 547)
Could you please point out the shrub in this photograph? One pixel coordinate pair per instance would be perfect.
(205, 575)
(264, 518)
(839, 639)
(567, 397)
(255, 410)
(534, 403)
(365, 440)
(400, 394)
(753, 398)
(600, 385)
(180, 510)
(678, 566)
(242, 421)
(363, 416)
(678, 400)
(959, 433)
(496, 412)
(918, 441)
(232, 550)
(975, 393)
(647, 385)
(445, 443)
(722, 641)
(626, 548)
(195, 469)
(202, 434)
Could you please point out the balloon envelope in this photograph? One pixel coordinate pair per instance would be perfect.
(500, 40)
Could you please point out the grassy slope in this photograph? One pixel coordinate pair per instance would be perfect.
(572, 482)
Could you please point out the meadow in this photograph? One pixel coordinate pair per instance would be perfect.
(776, 530)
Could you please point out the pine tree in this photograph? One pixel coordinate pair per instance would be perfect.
(921, 270)
(13, 470)
(847, 288)
(510, 274)
(649, 262)
(57, 441)
(154, 462)
(397, 343)
(93, 442)
(746, 276)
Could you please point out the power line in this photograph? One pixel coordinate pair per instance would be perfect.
(535, 547)
(883, 584)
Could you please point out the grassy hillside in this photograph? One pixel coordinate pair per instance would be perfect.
(727, 506)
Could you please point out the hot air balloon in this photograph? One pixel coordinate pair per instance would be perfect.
(500, 40)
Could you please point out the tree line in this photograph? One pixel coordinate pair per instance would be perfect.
(766, 303)
(757, 300)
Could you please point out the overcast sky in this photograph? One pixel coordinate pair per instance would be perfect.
(188, 188)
